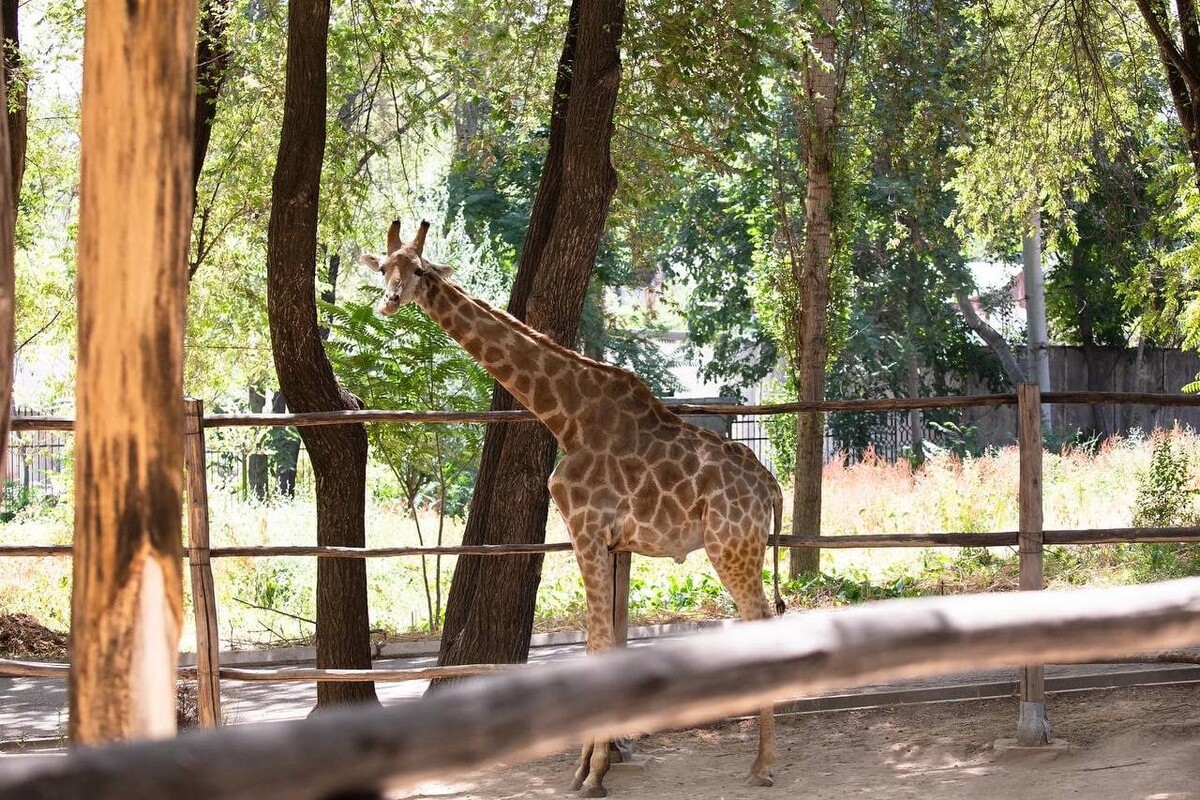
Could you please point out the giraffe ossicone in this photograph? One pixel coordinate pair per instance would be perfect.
(633, 477)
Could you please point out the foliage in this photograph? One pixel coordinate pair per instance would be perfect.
(408, 362)
(1167, 489)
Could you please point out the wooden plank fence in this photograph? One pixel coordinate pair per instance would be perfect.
(1029, 539)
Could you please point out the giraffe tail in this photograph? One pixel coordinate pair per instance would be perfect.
(780, 607)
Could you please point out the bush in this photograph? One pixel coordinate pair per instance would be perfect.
(1167, 489)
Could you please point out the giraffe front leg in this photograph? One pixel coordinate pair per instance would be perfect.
(594, 564)
(589, 537)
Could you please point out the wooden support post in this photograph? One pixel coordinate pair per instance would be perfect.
(1033, 727)
(204, 598)
(135, 216)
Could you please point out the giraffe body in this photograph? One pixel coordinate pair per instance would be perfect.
(634, 476)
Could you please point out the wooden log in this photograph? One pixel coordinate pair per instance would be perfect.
(134, 225)
(204, 596)
(1122, 398)
(527, 713)
(456, 417)
(33, 669)
(306, 674)
(886, 540)
(42, 424)
(1033, 728)
(389, 552)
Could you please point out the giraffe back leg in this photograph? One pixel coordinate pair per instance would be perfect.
(738, 562)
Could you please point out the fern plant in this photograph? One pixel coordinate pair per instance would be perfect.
(407, 362)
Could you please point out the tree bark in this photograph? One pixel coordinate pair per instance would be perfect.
(1181, 64)
(126, 604)
(17, 95)
(285, 445)
(212, 66)
(8, 279)
(819, 123)
(489, 613)
(257, 462)
(993, 339)
(338, 453)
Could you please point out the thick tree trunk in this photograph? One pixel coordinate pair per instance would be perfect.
(126, 603)
(819, 124)
(489, 614)
(8, 279)
(338, 453)
(17, 98)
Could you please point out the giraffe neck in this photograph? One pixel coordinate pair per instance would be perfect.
(532, 367)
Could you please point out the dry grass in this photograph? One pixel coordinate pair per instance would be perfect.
(1083, 489)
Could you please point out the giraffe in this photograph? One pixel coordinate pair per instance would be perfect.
(633, 475)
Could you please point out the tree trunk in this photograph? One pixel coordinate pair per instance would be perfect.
(257, 478)
(9, 186)
(17, 96)
(1181, 64)
(126, 604)
(212, 66)
(489, 613)
(338, 453)
(1035, 308)
(993, 339)
(285, 445)
(1087, 337)
(916, 424)
(819, 123)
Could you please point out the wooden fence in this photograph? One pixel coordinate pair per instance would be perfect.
(539, 710)
(1030, 538)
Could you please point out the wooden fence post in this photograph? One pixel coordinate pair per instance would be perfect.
(1033, 727)
(135, 212)
(204, 599)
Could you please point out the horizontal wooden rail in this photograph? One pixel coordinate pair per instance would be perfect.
(25, 423)
(528, 713)
(11, 668)
(1180, 535)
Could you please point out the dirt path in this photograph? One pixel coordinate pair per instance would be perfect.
(1134, 743)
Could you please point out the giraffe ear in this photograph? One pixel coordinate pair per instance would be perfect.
(370, 261)
(442, 270)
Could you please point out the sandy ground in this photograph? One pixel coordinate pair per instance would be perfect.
(1125, 744)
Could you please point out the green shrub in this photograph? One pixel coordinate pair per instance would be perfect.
(1167, 489)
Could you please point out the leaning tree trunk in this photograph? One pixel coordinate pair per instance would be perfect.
(489, 614)
(812, 326)
(126, 603)
(338, 453)
(17, 97)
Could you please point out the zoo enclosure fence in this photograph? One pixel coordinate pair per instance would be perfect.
(1029, 538)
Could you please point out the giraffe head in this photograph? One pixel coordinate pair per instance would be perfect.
(402, 268)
